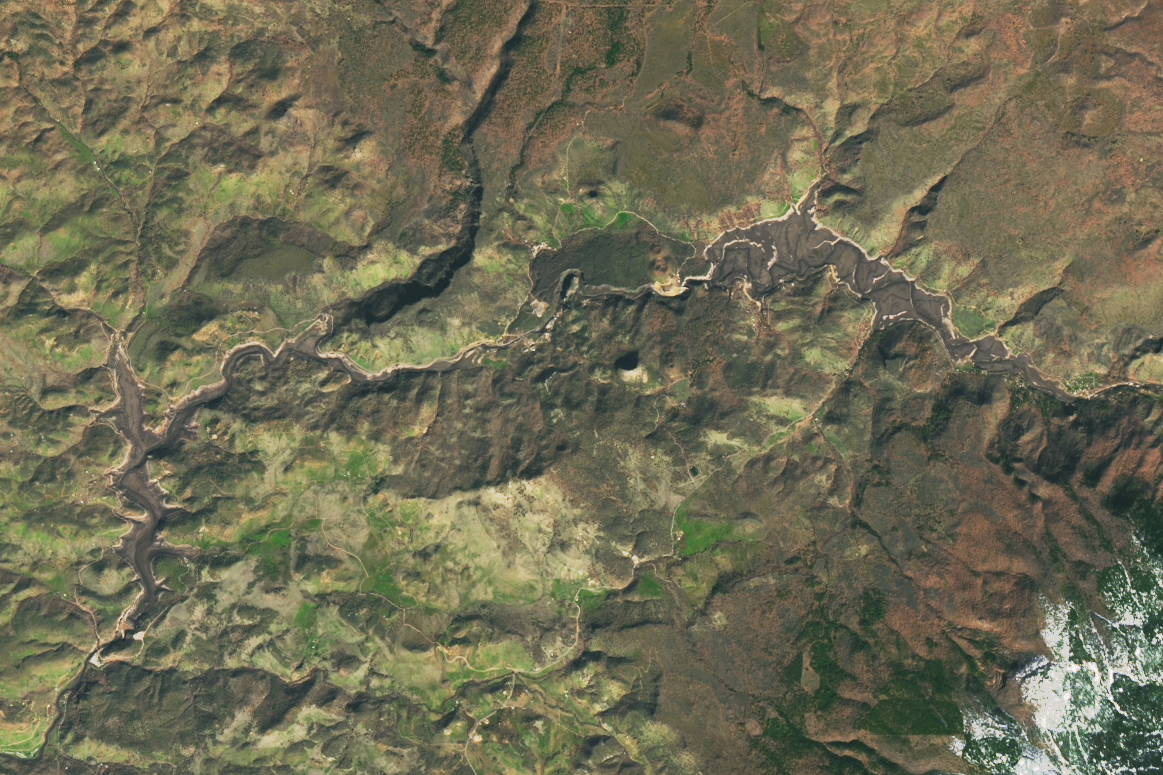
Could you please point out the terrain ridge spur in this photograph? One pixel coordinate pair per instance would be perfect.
(761, 257)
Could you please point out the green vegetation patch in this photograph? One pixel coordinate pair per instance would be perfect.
(873, 607)
(829, 673)
(914, 716)
(993, 754)
(384, 583)
(777, 39)
(783, 746)
(275, 263)
(589, 601)
(306, 616)
(970, 323)
(649, 587)
(1130, 498)
(274, 554)
(697, 535)
(917, 703)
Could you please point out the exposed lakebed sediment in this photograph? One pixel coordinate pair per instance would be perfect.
(768, 254)
(141, 545)
(762, 257)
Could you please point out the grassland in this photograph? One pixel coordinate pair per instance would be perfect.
(669, 532)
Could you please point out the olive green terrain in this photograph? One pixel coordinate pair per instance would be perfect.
(654, 526)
